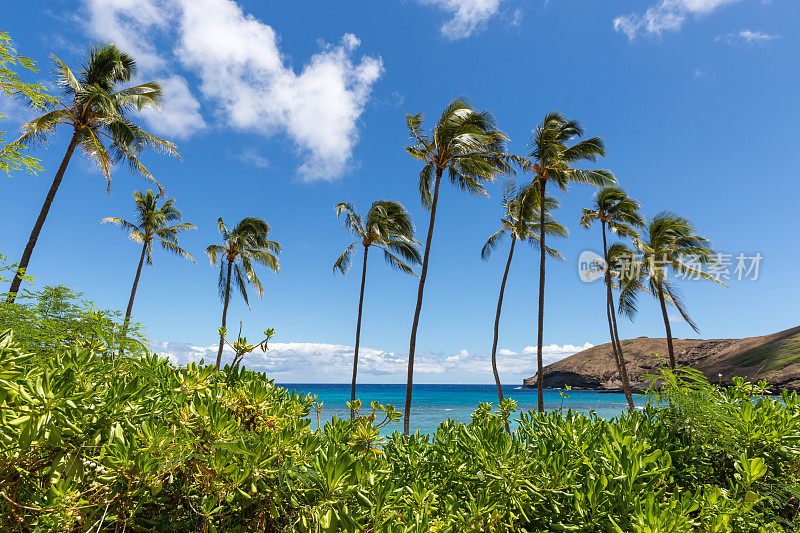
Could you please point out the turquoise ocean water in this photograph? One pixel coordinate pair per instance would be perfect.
(434, 403)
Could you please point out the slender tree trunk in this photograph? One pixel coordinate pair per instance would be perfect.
(224, 314)
(540, 337)
(418, 309)
(626, 383)
(37, 227)
(670, 348)
(497, 324)
(612, 326)
(133, 295)
(358, 333)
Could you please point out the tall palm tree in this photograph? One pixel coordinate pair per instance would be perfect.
(618, 213)
(246, 244)
(153, 223)
(468, 146)
(551, 160)
(669, 243)
(99, 115)
(387, 227)
(520, 220)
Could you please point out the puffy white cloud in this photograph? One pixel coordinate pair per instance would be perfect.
(180, 114)
(316, 361)
(667, 15)
(244, 77)
(746, 37)
(469, 16)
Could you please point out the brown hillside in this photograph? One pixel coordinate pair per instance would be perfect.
(774, 358)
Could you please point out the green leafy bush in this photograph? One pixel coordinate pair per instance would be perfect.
(92, 442)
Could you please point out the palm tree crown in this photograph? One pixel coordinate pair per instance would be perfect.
(616, 210)
(551, 158)
(521, 219)
(100, 114)
(465, 143)
(243, 246)
(154, 223)
(388, 227)
(670, 243)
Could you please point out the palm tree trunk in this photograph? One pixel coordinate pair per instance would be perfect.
(497, 324)
(133, 294)
(612, 326)
(224, 314)
(542, 247)
(423, 274)
(358, 334)
(626, 383)
(670, 348)
(37, 227)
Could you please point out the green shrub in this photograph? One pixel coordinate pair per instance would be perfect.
(93, 442)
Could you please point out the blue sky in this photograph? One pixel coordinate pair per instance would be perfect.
(281, 109)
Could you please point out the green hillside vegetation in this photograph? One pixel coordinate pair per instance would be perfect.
(772, 356)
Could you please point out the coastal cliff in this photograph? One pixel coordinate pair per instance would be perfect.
(774, 358)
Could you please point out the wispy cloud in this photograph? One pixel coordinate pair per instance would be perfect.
(244, 78)
(666, 15)
(323, 362)
(468, 16)
(252, 157)
(746, 37)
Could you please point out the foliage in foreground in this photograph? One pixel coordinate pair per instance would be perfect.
(95, 442)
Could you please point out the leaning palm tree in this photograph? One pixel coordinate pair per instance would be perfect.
(387, 227)
(520, 220)
(670, 243)
(551, 160)
(153, 223)
(618, 213)
(467, 145)
(246, 244)
(98, 113)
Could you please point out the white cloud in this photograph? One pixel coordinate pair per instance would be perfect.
(506, 351)
(555, 352)
(667, 15)
(469, 16)
(244, 76)
(252, 157)
(180, 115)
(516, 18)
(323, 362)
(749, 37)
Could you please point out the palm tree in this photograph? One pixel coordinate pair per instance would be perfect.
(468, 146)
(551, 159)
(99, 114)
(246, 244)
(619, 213)
(521, 220)
(153, 223)
(388, 227)
(670, 243)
